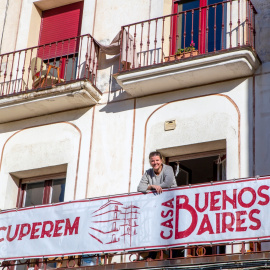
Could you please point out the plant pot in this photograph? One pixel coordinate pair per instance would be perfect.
(188, 54)
(172, 57)
(180, 56)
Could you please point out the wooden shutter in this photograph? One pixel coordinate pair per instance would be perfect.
(59, 24)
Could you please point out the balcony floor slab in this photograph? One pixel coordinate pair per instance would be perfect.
(191, 72)
(75, 95)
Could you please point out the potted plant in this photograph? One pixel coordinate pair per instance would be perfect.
(183, 53)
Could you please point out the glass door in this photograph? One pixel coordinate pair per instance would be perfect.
(199, 24)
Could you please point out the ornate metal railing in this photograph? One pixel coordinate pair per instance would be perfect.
(200, 31)
(229, 250)
(60, 62)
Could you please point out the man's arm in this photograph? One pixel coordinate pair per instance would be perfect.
(144, 184)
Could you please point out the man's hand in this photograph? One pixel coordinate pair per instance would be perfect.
(157, 188)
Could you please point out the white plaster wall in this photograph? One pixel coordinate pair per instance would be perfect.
(197, 121)
(262, 89)
(110, 159)
(24, 24)
(212, 117)
(262, 28)
(2, 13)
(126, 12)
(42, 142)
(88, 17)
(9, 24)
(107, 26)
(38, 148)
(262, 120)
(3, 7)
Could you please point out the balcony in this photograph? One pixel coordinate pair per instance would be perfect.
(50, 78)
(188, 48)
(171, 258)
(216, 225)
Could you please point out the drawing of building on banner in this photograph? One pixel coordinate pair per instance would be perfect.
(115, 222)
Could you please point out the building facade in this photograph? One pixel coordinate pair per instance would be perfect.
(89, 88)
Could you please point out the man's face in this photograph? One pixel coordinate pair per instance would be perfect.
(156, 163)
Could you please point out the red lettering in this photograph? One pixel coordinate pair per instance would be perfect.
(35, 230)
(255, 220)
(186, 206)
(74, 227)
(58, 227)
(10, 239)
(170, 212)
(240, 200)
(214, 201)
(229, 225)
(22, 233)
(48, 231)
(166, 237)
(2, 229)
(240, 221)
(167, 223)
(205, 226)
(197, 199)
(169, 203)
(226, 199)
(263, 195)
(217, 222)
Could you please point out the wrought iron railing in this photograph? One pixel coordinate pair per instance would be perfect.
(183, 253)
(199, 31)
(60, 62)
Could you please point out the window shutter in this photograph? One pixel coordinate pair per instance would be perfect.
(58, 24)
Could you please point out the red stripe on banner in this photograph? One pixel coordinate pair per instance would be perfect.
(96, 238)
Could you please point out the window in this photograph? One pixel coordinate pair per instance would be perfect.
(199, 167)
(200, 21)
(58, 24)
(35, 191)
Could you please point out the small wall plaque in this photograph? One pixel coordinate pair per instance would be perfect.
(169, 125)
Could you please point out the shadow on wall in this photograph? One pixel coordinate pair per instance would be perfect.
(262, 29)
(116, 93)
(66, 116)
(173, 95)
(113, 63)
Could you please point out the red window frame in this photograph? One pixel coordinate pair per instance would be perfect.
(202, 25)
(54, 23)
(48, 184)
(202, 22)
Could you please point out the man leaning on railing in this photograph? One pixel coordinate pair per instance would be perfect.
(158, 177)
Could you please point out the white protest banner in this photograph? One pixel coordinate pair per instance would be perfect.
(200, 214)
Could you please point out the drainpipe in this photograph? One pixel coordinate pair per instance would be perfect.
(5, 18)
